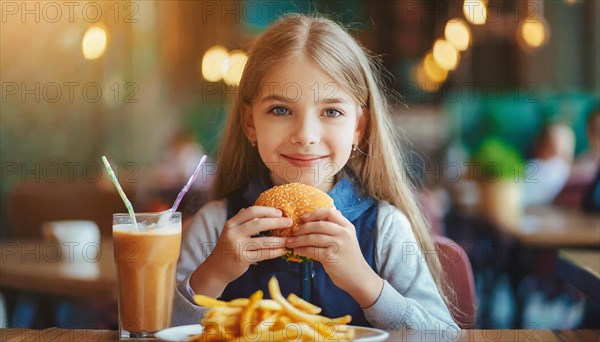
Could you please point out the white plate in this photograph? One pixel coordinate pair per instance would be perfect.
(184, 332)
(365, 334)
(181, 333)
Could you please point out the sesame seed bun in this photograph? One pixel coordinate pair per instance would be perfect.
(294, 200)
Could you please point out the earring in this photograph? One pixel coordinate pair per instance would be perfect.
(252, 143)
(354, 149)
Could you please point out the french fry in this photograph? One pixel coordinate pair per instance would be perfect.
(271, 335)
(341, 336)
(298, 314)
(330, 332)
(285, 319)
(309, 333)
(303, 305)
(268, 321)
(224, 310)
(239, 302)
(269, 304)
(277, 319)
(222, 319)
(211, 332)
(208, 301)
(248, 311)
(268, 326)
(264, 314)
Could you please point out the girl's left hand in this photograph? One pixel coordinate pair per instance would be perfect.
(328, 237)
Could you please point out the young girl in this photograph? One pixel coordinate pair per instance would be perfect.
(310, 109)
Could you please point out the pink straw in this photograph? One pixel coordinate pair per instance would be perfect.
(188, 184)
(166, 215)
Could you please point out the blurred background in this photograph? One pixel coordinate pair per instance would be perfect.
(500, 99)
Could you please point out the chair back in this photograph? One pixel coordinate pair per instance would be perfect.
(32, 204)
(459, 275)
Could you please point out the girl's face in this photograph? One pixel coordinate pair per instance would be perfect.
(304, 124)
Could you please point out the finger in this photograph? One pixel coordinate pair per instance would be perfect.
(310, 240)
(326, 214)
(258, 225)
(321, 254)
(265, 242)
(248, 214)
(318, 227)
(255, 256)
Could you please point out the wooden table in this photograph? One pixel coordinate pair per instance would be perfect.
(36, 266)
(554, 226)
(539, 233)
(581, 268)
(57, 335)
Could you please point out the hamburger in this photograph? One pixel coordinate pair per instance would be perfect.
(294, 200)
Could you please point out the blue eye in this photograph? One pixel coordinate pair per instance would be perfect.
(279, 111)
(332, 113)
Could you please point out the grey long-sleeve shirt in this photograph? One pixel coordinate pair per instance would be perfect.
(409, 299)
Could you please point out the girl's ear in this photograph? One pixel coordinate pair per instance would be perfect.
(248, 122)
(361, 125)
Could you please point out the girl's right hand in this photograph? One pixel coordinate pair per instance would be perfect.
(237, 249)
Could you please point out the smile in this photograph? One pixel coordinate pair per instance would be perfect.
(302, 160)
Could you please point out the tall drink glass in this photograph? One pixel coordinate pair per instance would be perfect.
(146, 264)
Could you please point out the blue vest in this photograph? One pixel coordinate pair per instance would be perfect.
(335, 302)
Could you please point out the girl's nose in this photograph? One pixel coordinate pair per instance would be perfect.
(306, 132)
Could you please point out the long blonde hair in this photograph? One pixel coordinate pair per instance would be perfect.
(379, 170)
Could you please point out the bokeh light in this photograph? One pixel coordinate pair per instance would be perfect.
(457, 32)
(236, 63)
(433, 71)
(424, 82)
(445, 54)
(94, 42)
(215, 63)
(533, 32)
(475, 11)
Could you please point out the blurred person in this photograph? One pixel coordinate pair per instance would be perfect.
(163, 182)
(547, 173)
(591, 199)
(3, 314)
(586, 164)
(178, 162)
(431, 199)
